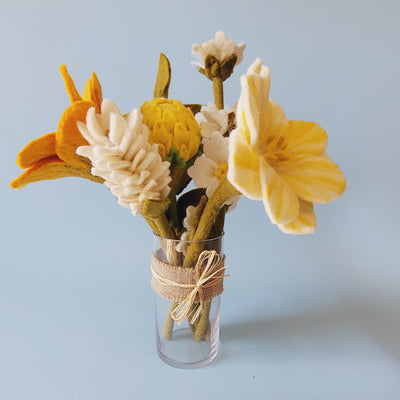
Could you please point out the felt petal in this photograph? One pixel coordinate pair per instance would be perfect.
(202, 171)
(255, 90)
(280, 202)
(314, 178)
(51, 168)
(243, 167)
(305, 137)
(69, 85)
(258, 116)
(68, 137)
(107, 108)
(36, 150)
(92, 92)
(306, 222)
(217, 148)
(98, 134)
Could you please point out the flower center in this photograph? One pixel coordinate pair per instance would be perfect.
(274, 150)
(221, 171)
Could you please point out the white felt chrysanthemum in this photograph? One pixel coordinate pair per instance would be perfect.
(210, 120)
(208, 171)
(121, 154)
(220, 48)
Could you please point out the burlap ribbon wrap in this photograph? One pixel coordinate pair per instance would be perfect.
(190, 288)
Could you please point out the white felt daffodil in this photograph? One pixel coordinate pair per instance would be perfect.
(281, 162)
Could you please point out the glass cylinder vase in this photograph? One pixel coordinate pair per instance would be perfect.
(187, 340)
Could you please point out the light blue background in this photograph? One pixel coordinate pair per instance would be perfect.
(312, 317)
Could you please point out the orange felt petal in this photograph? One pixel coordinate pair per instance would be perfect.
(68, 137)
(36, 150)
(92, 91)
(51, 168)
(69, 85)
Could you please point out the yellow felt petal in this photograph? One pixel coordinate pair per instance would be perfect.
(69, 85)
(260, 116)
(243, 167)
(280, 202)
(314, 178)
(305, 137)
(51, 168)
(68, 137)
(306, 222)
(255, 89)
(92, 91)
(36, 150)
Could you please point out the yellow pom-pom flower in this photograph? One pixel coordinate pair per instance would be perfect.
(171, 126)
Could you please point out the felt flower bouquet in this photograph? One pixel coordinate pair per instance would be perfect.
(147, 159)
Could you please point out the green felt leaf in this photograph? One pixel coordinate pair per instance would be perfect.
(163, 77)
(175, 158)
(194, 108)
(231, 123)
(211, 66)
(227, 66)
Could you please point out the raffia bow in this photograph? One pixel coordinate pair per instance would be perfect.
(209, 270)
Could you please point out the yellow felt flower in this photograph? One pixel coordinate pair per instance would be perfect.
(172, 126)
(54, 155)
(281, 162)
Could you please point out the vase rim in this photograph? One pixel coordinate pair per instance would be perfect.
(191, 241)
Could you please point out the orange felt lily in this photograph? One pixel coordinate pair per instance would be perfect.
(54, 155)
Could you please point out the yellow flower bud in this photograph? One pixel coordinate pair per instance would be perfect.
(171, 125)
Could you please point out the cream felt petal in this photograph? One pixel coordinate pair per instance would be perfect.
(313, 178)
(305, 137)
(209, 171)
(306, 222)
(93, 125)
(217, 148)
(108, 108)
(187, 223)
(243, 167)
(211, 119)
(280, 202)
(202, 171)
(220, 48)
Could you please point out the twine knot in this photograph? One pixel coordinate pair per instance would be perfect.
(208, 276)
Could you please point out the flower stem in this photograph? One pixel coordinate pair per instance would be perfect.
(203, 323)
(218, 88)
(169, 322)
(224, 192)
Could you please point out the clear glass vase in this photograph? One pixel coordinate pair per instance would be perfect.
(186, 345)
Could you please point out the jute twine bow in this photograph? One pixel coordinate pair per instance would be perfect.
(190, 296)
